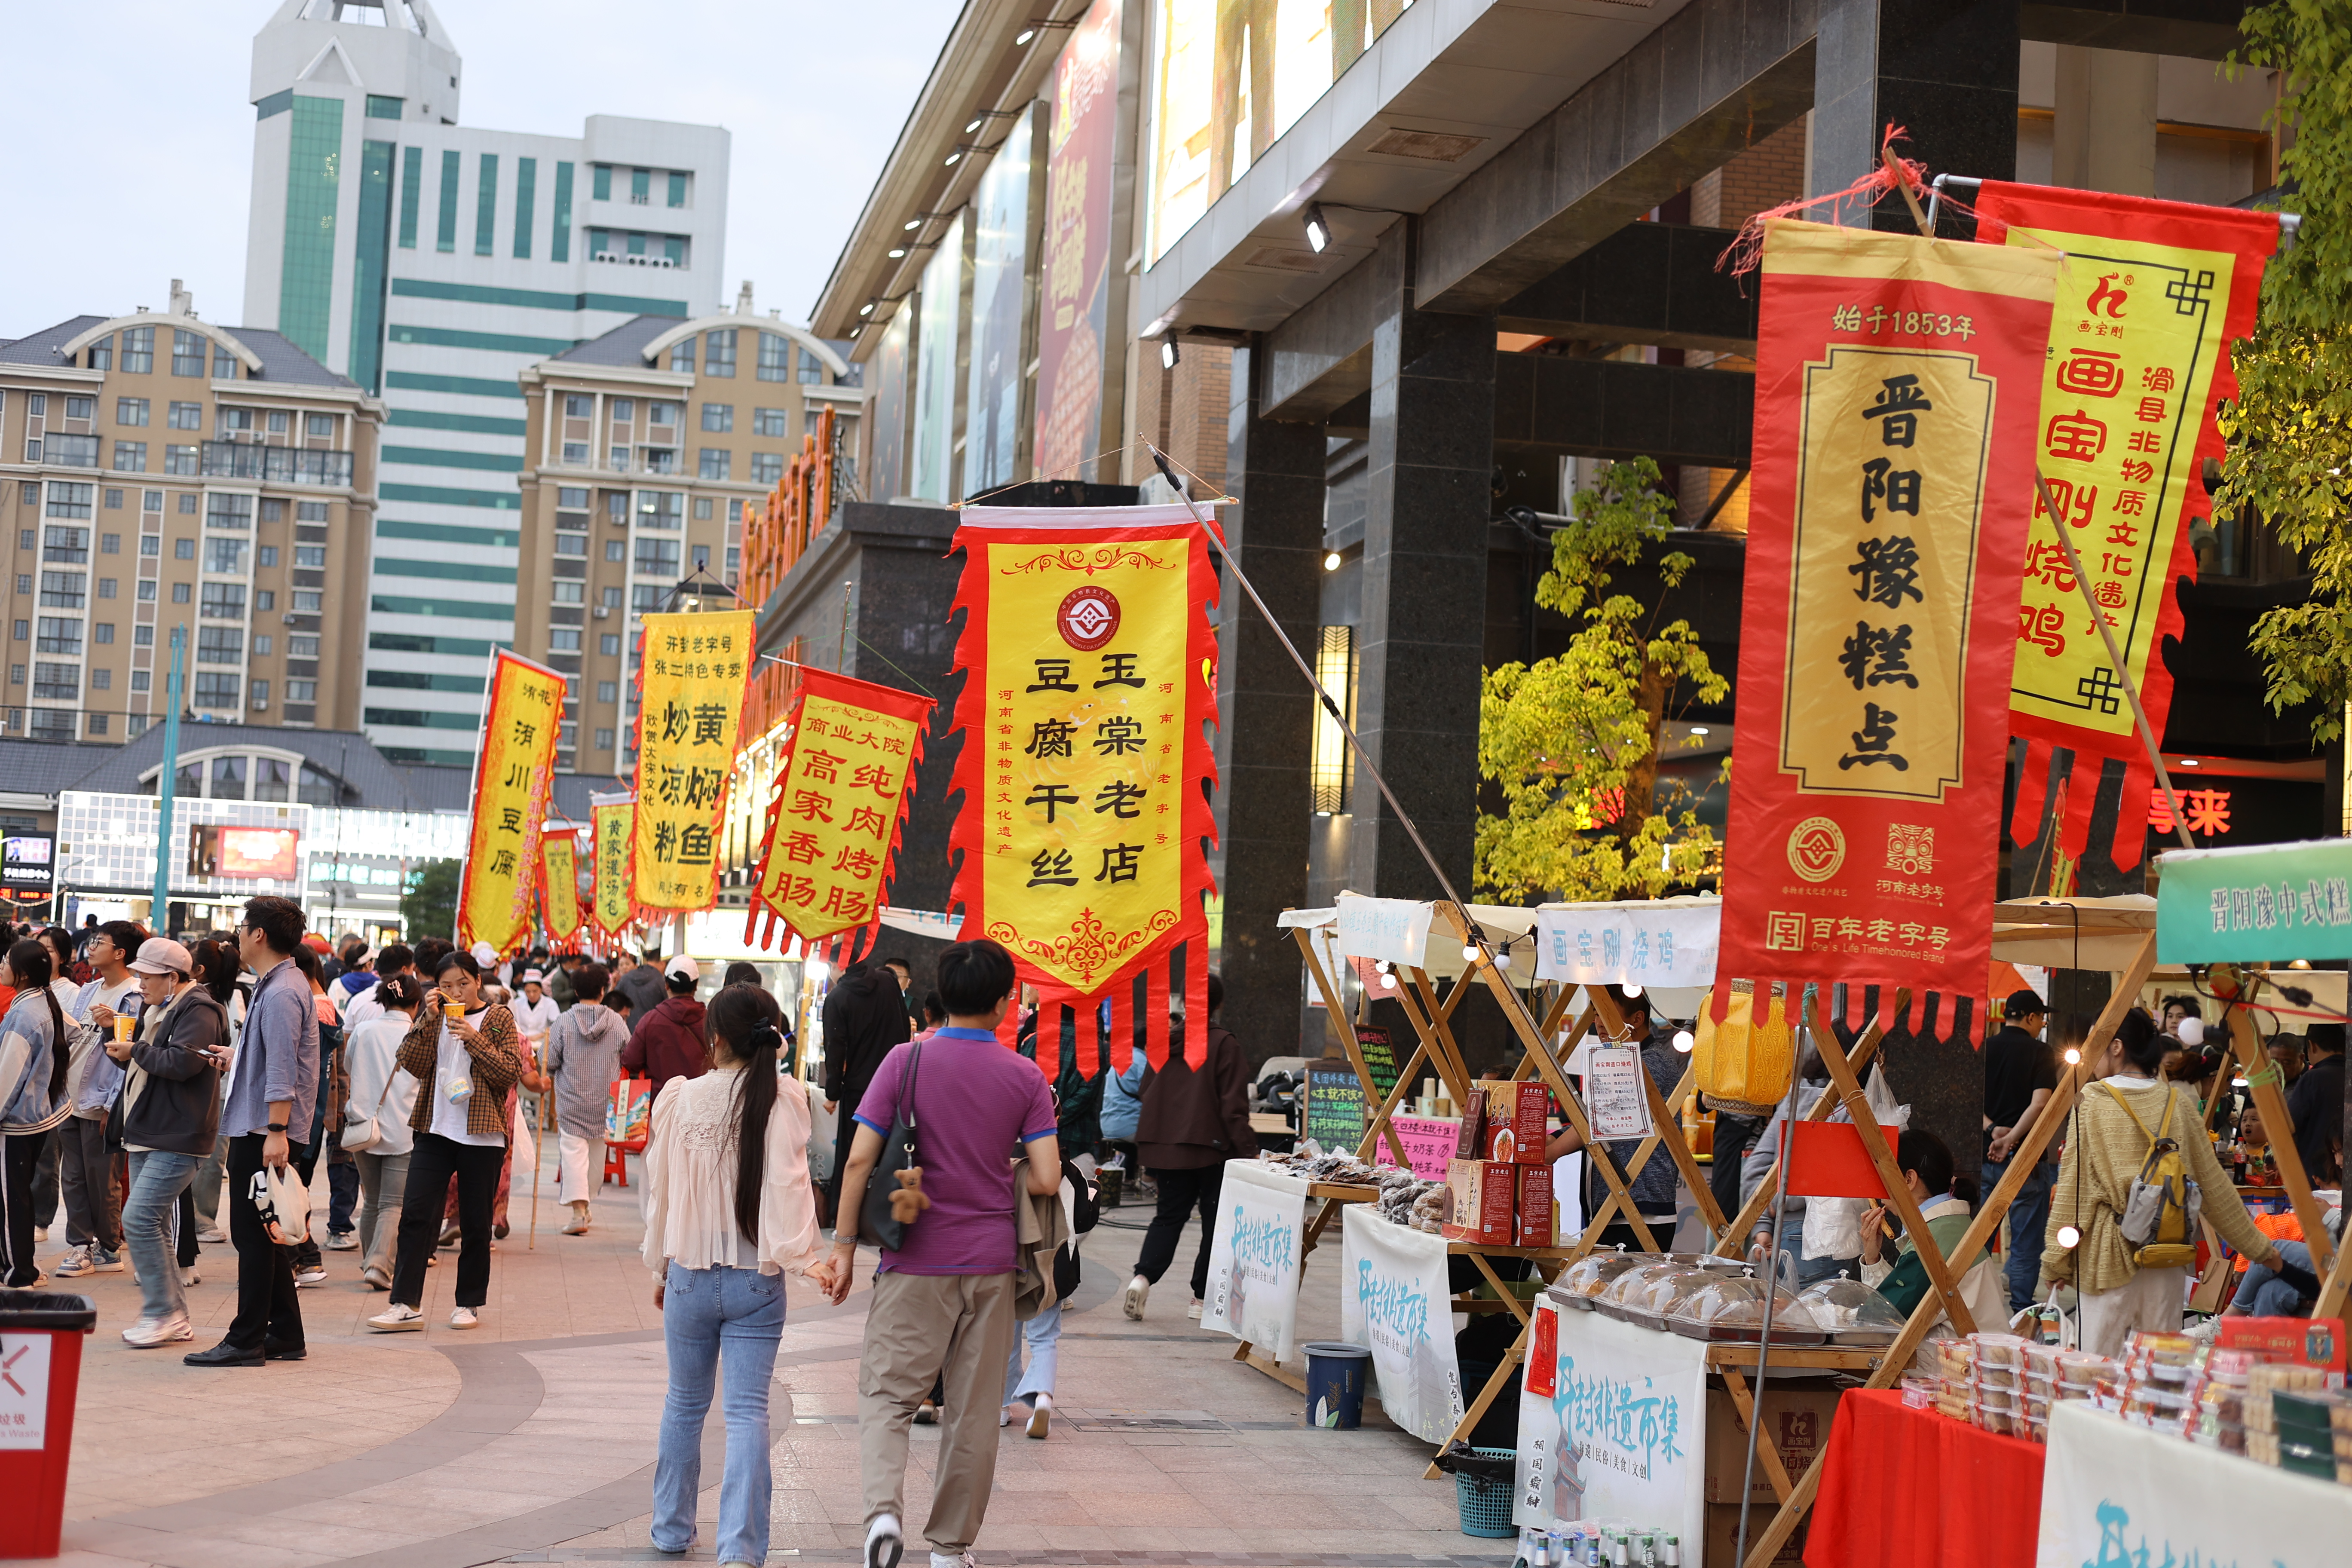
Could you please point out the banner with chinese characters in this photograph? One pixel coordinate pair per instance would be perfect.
(511, 782)
(2150, 297)
(833, 821)
(690, 700)
(1659, 942)
(1089, 685)
(610, 886)
(1075, 351)
(1895, 390)
(558, 888)
(1396, 1300)
(2262, 903)
(1613, 1424)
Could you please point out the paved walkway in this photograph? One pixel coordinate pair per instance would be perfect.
(530, 1439)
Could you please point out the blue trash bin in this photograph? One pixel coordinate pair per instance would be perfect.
(1335, 1383)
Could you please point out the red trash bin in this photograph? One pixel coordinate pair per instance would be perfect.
(40, 1367)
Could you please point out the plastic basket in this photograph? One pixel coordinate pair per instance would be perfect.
(1486, 1504)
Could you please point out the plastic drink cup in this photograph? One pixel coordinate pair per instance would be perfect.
(453, 1011)
(122, 1026)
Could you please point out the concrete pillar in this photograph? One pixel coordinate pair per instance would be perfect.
(2103, 132)
(1946, 73)
(1420, 643)
(1265, 711)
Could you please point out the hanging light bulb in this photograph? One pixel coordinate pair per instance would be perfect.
(2069, 1237)
(1503, 958)
(1633, 989)
(1469, 953)
(1683, 1041)
(1387, 982)
(2073, 1055)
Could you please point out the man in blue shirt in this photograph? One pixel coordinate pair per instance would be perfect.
(273, 1088)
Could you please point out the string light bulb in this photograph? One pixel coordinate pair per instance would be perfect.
(2069, 1237)
(2073, 1055)
(1684, 1041)
(1469, 953)
(1388, 981)
(1633, 989)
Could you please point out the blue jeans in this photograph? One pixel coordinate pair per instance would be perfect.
(1044, 1335)
(157, 1180)
(2028, 1217)
(705, 1309)
(2264, 1294)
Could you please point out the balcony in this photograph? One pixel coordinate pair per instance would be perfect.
(275, 465)
(70, 451)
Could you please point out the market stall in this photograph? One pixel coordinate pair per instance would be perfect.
(1906, 1487)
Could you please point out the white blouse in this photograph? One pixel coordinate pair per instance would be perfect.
(689, 1174)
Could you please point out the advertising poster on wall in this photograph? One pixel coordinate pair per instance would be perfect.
(1073, 304)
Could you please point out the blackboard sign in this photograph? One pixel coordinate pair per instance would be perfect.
(1379, 1055)
(1335, 1113)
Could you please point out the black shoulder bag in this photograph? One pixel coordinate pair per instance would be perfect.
(876, 1223)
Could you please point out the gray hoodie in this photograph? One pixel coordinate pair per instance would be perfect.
(584, 1053)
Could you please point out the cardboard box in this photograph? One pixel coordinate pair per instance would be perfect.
(1473, 1136)
(1797, 1421)
(1502, 1145)
(2305, 1341)
(1480, 1194)
(1528, 1107)
(1533, 1217)
(1723, 1535)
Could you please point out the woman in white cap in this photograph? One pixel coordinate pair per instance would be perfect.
(170, 1111)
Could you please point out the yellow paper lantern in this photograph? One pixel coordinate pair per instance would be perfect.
(1745, 1063)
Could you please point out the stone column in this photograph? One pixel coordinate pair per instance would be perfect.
(2102, 129)
(1420, 643)
(1265, 711)
(1945, 73)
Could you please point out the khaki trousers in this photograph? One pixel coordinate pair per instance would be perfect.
(922, 1327)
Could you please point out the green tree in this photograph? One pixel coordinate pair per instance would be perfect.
(2290, 428)
(429, 902)
(1574, 740)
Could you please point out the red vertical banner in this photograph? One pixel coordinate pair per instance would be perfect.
(2151, 297)
(1897, 381)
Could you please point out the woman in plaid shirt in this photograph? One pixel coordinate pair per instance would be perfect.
(465, 1054)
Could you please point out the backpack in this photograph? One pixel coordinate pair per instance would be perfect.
(2160, 1217)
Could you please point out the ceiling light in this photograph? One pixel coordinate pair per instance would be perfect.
(1331, 561)
(1698, 729)
(1169, 353)
(1318, 232)
(1024, 36)
(952, 160)
(867, 309)
(2190, 762)
(913, 224)
(898, 251)
(973, 126)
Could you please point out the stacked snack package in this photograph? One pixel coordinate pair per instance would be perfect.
(1997, 1388)
(2221, 1398)
(2288, 1421)
(2161, 1381)
(1956, 1367)
(2006, 1384)
(2313, 1432)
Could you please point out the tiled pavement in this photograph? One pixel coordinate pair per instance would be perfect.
(530, 1439)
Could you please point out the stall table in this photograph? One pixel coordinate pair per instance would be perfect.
(1910, 1489)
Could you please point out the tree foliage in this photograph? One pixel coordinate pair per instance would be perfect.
(1573, 740)
(2290, 428)
(428, 904)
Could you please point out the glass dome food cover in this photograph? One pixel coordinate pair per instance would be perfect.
(1852, 1313)
(1588, 1276)
(1732, 1308)
(1626, 1297)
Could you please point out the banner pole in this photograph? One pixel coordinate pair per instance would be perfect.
(2114, 657)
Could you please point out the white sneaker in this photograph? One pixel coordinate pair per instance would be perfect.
(310, 1277)
(884, 1541)
(151, 1334)
(211, 1236)
(463, 1318)
(1131, 1300)
(341, 1241)
(395, 1318)
(1041, 1415)
(1193, 1311)
(104, 1262)
(75, 1262)
(961, 1560)
(189, 1275)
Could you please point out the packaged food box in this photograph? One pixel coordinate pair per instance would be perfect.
(1501, 1144)
(1481, 1194)
(1470, 1142)
(1998, 1350)
(1532, 1215)
(2308, 1341)
(1526, 1108)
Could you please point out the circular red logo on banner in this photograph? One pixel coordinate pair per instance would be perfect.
(1088, 619)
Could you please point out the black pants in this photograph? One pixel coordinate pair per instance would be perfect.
(268, 1310)
(1182, 1192)
(1734, 1136)
(20, 1154)
(434, 1161)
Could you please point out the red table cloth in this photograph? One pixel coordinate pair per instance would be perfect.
(1910, 1489)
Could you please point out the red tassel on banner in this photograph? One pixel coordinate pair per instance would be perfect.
(2081, 797)
(1156, 1021)
(2033, 792)
(1196, 1004)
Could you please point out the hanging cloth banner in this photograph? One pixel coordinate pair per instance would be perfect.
(559, 894)
(834, 820)
(693, 668)
(2150, 297)
(610, 884)
(1089, 685)
(512, 777)
(1895, 392)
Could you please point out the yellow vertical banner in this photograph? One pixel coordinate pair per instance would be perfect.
(559, 897)
(611, 889)
(690, 703)
(511, 779)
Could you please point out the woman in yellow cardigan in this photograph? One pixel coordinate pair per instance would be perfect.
(2115, 1122)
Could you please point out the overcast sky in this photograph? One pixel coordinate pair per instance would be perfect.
(131, 137)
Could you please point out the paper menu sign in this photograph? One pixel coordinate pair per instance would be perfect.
(1616, 1095)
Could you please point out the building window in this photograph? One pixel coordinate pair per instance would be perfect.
(106, 587)
(146, 592)
(311, 556)
(222, 601)
(575, 454)
(186, 417)
(718, 353)
(609, 644)
(444, 233)
(72, 501)
(268, 554)
(138, 351)
(101, 354)
(183, 549)
(320, 424)
(767, 421)
(812, 372)
(215, 691)
(676, 189)
(681, 356)
(603, 740)
(97, 721)
(151, 544)
(577, 405)
(775, 357)
(261, 647)
(130, 458)
(641, 182)
(225, 556)
(111, 543)
(309, 511)
(412, 176)
(103, 632)
(16, 671)
(569, 592)
(702, 507)
(80, 407)
(563, 639)
(131, 411)
(220, 645)
(179, 593)
(601, 181)
(58, 682)
(261, 701)
(610, 598)
(301, 691)
(64, 542)
(608, 691)
(229, 511)
(301, 648)
(64, 590)
(101, 680)
(526, 205)
(657, 558)
(662, 510)
(181, 460)
(715, 465)
(572, 544)
(766, 467)
(188, 350)
(25, 633)
(59, 634)
(266, 599)
(718, 418)
(485, 207)
(306, 601)
(661, 414)
(616, 550)
(224, 364)
(558, 241)
(572, 498)
(139, 680)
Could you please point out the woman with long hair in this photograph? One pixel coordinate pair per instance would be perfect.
(464, 1055)
(2116, 1122)
(727, 1209)
(217, 967)
(382, 1091)
(32, 1098)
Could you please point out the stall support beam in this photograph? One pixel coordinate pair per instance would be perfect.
(2263, 1078)
(1734, 1234)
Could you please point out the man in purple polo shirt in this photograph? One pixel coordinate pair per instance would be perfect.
(944, 1303)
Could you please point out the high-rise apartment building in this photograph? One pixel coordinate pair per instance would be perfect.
(645, 446)
(159, 472)
(432, 263)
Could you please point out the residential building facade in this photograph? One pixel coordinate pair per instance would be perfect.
(646, 446)
(432, 262)
(161, 474)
